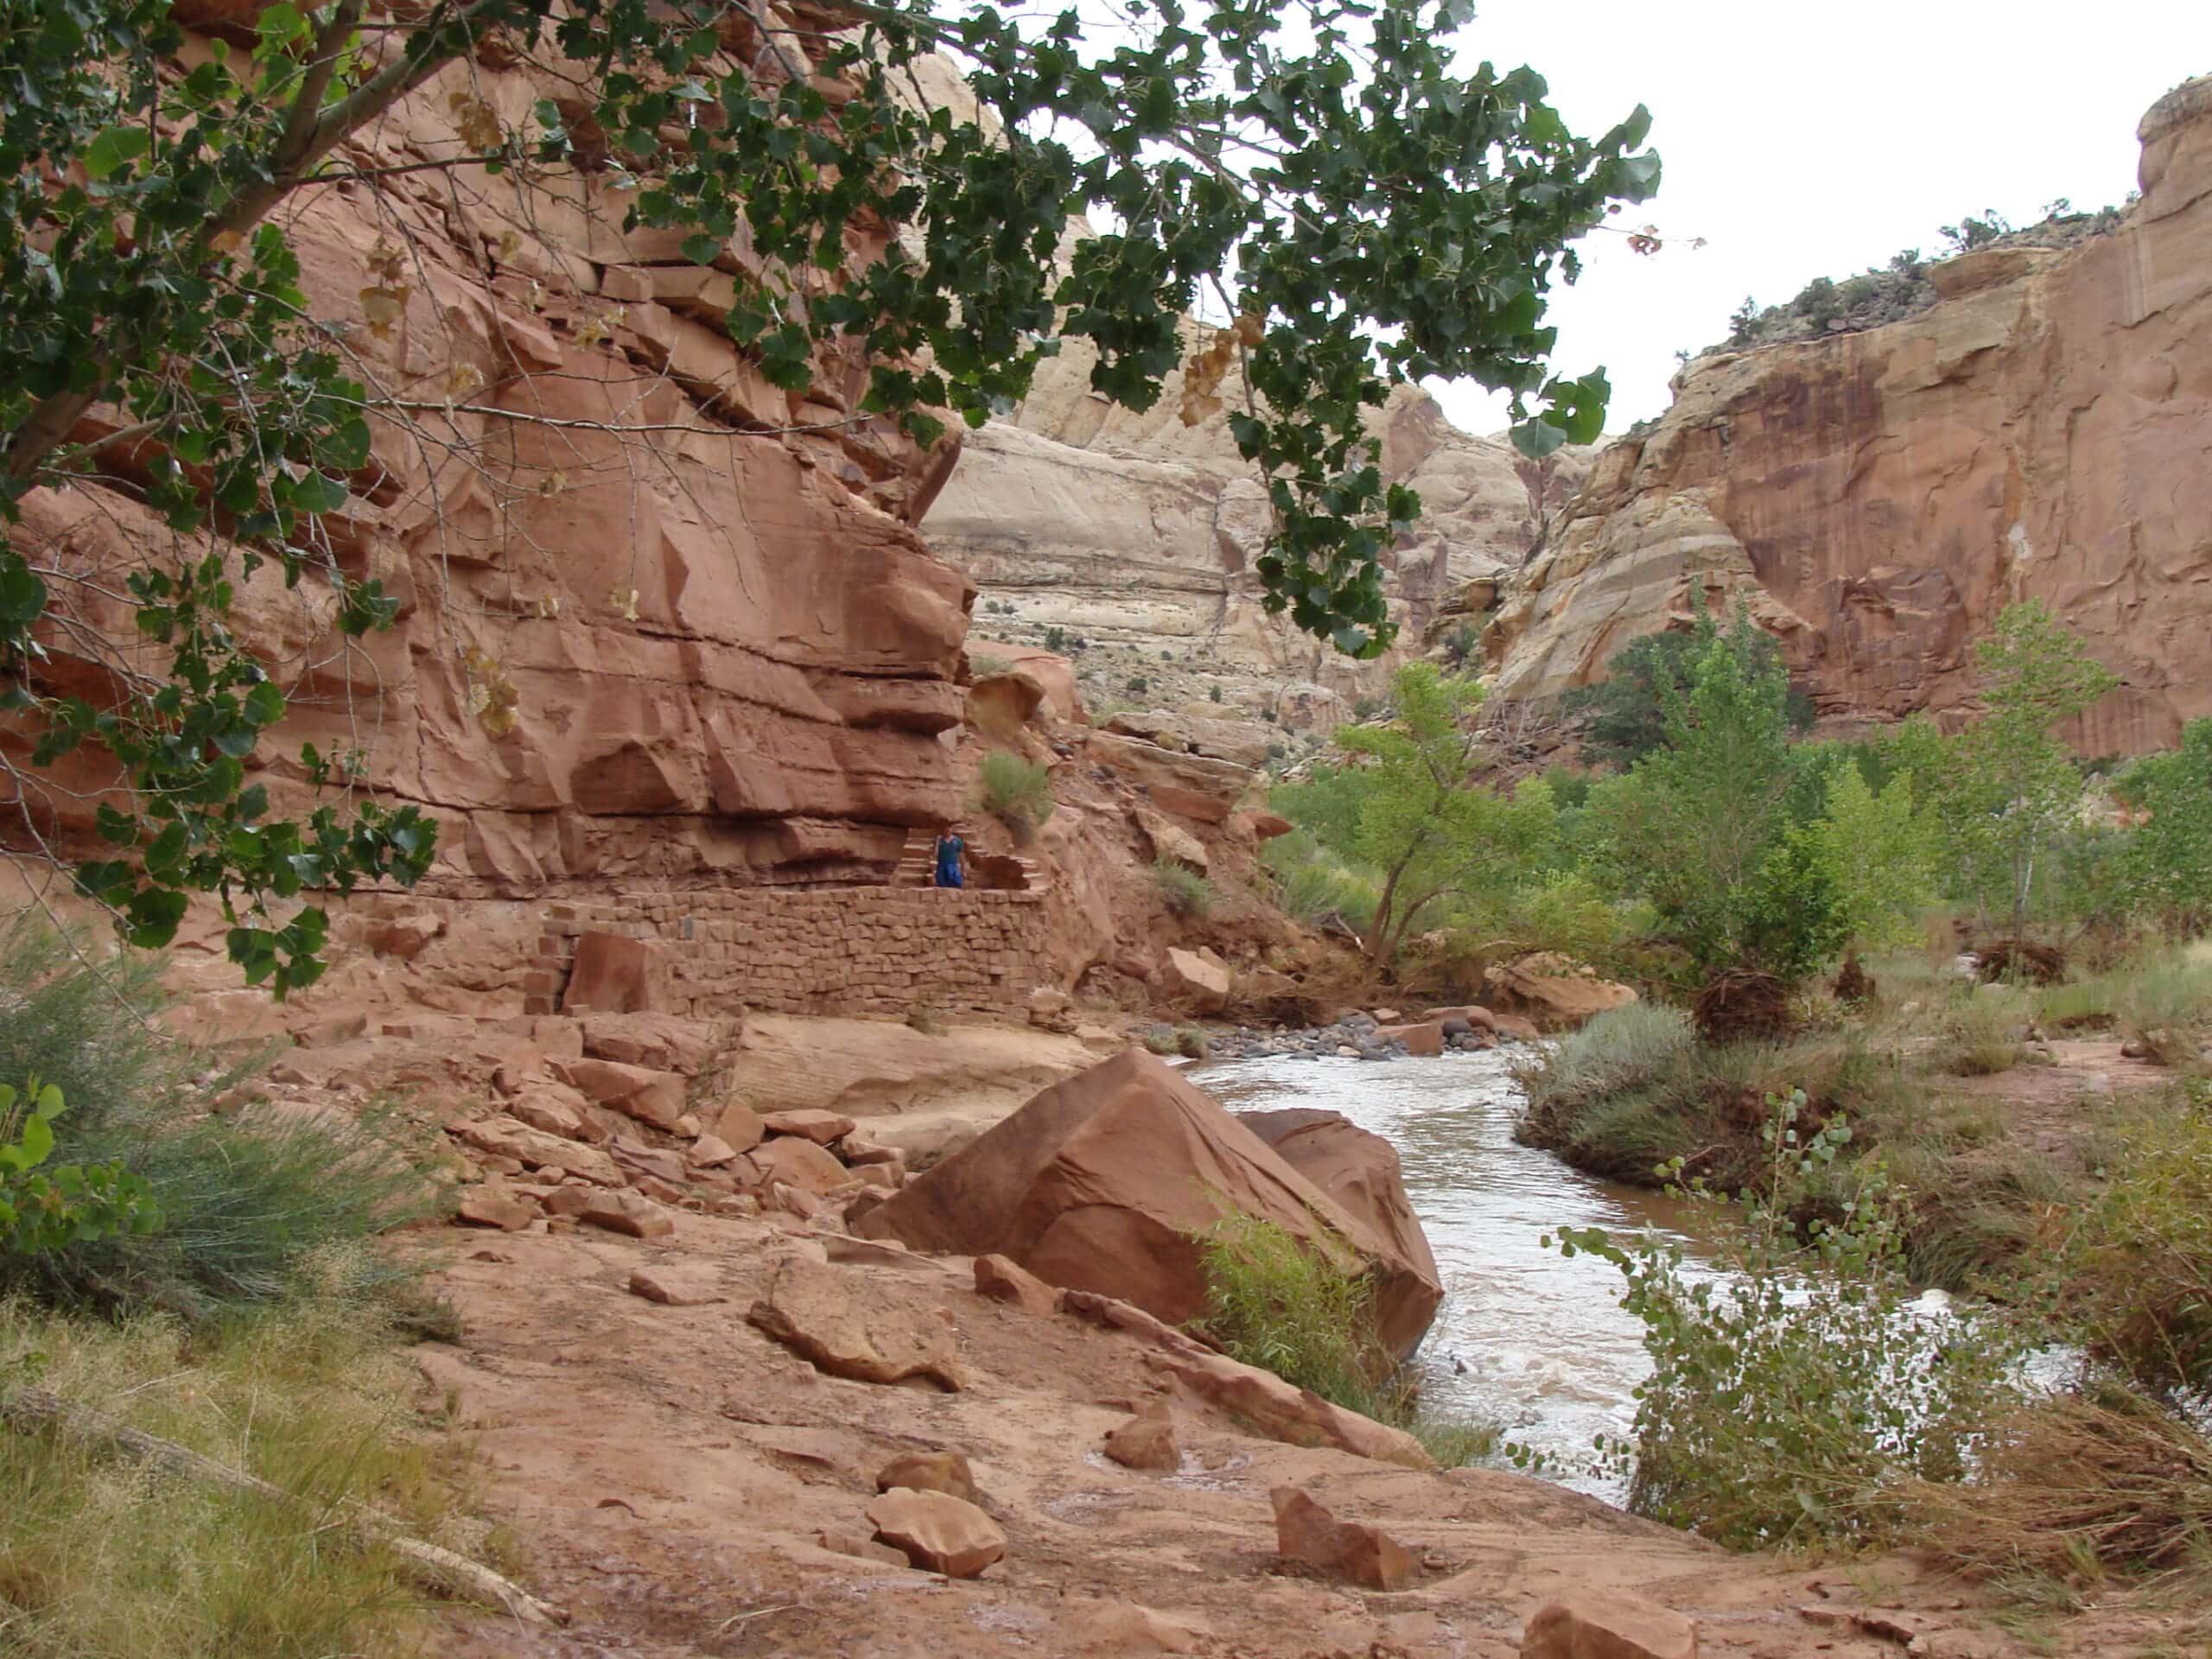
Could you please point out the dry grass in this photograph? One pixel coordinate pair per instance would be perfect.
(2080, 1487)
(99, 1557)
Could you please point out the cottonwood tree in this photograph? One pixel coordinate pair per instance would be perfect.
(2013, 787)
(1408, 806)
(1363, 210)
(1700, 828)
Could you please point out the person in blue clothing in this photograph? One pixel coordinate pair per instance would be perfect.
(950, 854)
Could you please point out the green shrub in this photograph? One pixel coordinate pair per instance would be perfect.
(1017, 791)
(1136, 685)
(1617, 1053)
(244, 1200)
(1188, 893)
(1191, 1043)
(1800, 1399)
(1305, 1312)
(45, 1206)
(1313, 886)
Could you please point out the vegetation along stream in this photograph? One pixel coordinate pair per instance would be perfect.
(1528, 1339)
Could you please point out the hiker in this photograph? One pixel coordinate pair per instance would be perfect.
(950, 851)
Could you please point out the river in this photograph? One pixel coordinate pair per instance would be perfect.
(1525, 1339)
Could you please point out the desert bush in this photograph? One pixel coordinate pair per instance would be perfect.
(1801, 1398)
(1018, 792)
(1617, 1053)
(1191, 1043)
(1313, 885)
(99, 1558)
(243, 1198)
(1187, 893)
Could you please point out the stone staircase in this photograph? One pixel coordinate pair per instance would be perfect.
(917, 866)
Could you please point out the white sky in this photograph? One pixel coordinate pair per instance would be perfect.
(1803, 142)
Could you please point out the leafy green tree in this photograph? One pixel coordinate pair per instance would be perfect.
(1880, 855)
(2169, 855)
(1366, 213)
(1626, 711)
(2013, 785)
(1700, 826)
(1406, 805)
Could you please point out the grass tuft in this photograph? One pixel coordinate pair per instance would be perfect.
(1187, 893)
(1307, 1313)
(1016, 792)
(99, 1556)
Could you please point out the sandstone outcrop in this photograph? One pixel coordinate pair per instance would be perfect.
(1100, 1182)
(1137, 534)
(1553, 991)
(645, 630)
(855, 1327)
(1878, 497)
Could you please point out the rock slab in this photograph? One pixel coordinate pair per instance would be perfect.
(1309, 1534)
(937, 1533)
(852, 1327)
(1608, 1625)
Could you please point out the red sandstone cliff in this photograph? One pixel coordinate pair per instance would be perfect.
(2044, 431)
(643, 632)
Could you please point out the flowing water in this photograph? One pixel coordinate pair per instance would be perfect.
(1526, 1339)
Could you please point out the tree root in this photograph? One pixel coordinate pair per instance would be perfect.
(30, 1411)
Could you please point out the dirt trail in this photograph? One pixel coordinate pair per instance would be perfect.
(667, 1469)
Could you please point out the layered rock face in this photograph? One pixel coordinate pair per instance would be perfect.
(1137, 534)
(2041, 433)
(643, 632)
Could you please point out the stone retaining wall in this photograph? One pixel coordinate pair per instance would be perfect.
(824, 950)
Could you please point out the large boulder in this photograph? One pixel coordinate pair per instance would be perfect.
(1358, 1172)
(1100, 1183)
(1554, 991)
(1191, 978)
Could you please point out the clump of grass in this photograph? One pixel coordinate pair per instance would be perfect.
(1307, 1312)
(2098, 1484)
(1016, 792)
(1986, 1029)
(244, 1198)
(2164, 1006)
(100, 1556)
(1191, 1043)
(1187, 893)
(1312, 884)
(2139, 1267)
(925, 1019)
(1162, 1040)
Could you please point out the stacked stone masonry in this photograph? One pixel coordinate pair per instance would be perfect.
(824, 950)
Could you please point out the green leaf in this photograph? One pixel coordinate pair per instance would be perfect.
(317, 493)
(112, 149)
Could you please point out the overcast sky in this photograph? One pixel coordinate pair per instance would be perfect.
(1804, 141)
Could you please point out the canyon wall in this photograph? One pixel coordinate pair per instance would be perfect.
(2044, 431)
(644, 632)
(1136, 534)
